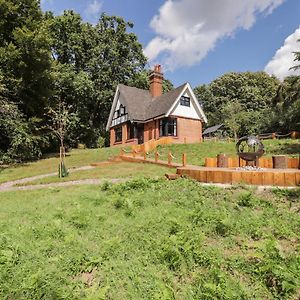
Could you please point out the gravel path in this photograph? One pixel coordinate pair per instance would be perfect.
(11, 185)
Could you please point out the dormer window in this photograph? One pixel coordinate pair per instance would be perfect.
(185, 101)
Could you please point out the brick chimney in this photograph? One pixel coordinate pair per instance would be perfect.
(156, 80)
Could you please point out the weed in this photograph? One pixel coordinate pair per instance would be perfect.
(223, 228)
(246, 199)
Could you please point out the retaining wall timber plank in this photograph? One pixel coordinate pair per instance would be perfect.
(270, 177)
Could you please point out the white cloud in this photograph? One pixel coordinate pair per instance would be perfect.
(93, 9)
(188, 29)
(283, 59)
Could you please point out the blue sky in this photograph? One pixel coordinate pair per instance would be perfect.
(199, 40)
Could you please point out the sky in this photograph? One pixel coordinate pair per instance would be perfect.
(197, 41)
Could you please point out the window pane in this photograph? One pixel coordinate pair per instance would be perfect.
(168, 127)
(118, 134)
(185, 101)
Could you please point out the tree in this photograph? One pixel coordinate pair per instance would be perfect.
(254, 91)
(297, 58)
(233, 112)
(287, 105)
(61, 119)
(141, 80)
(25, 55)
(89, 63)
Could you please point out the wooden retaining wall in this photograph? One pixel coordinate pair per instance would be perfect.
(269, 177)
(264, 162)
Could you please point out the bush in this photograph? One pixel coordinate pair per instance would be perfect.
(100, 142)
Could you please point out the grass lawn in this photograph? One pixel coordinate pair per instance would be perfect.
(116, 170)
(196, 153)
(75, 158)
(149, 239)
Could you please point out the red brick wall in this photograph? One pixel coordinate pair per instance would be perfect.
(189, 130)
(149, 131)
(125, 140)
(112, 136)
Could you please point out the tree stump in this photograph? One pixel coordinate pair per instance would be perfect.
(280, 162)
(222, 161)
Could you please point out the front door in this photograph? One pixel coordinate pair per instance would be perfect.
(140, 133)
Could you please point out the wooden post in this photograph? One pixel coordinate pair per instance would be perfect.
(273, 135)
(169, 158)
(145, 155)
(156, 156)
(257, 162)
(222, 160)
(184, 159)
(133, 153)
(280, 162)
(185, 140)
(293, 135)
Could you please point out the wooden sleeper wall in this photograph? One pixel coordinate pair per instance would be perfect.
(264, 162)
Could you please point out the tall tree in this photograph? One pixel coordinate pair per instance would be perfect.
(25, 55)
(90, 62)
(254, 91)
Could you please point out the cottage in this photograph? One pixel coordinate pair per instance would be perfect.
(138, 116)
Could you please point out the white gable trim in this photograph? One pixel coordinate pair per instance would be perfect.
(199, 110)
(113, 107)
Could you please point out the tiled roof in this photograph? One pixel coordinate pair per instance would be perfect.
(141, 106)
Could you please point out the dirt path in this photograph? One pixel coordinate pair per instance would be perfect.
(11, 185)
(61, 184)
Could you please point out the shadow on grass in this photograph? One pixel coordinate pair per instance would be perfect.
(286, 149)
(291, 195)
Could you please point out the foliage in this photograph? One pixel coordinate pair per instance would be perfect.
(287, 104)
(141, 80)
(297, 59)
(249, 93)
(17, 141)
(89, 63)
(45, 57)
(149, 239)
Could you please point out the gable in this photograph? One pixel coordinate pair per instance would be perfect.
(120, 114)
(185, 111)
(194, 111)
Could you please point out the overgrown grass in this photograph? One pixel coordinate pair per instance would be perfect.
(75, 158)
(196, 153)
(117, 170)
(149, 239)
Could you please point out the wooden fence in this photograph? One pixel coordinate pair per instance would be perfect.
(152, 144)
(135, 156)
(263, 136)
